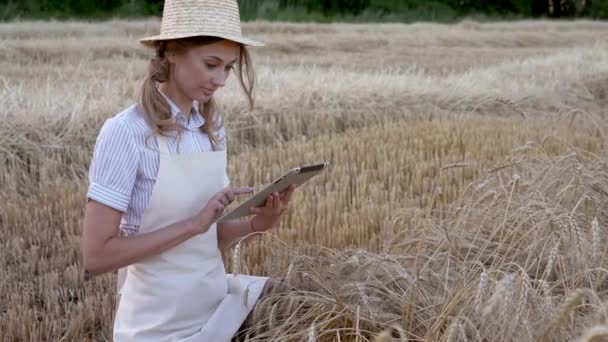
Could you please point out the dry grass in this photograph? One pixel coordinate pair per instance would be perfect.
(466, 200)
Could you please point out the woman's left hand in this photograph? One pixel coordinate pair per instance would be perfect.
(268, 215)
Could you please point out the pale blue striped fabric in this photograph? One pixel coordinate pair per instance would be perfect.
(125, 164)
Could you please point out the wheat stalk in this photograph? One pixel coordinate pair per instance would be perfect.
(482, 291)
(383, 336)
(236, 258)
(597, 240)
(501, 298)
(597, 333)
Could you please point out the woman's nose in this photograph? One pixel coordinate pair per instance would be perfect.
(219, 79)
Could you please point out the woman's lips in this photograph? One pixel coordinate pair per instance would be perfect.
(208, 92)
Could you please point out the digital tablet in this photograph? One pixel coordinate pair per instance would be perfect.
(296, 176)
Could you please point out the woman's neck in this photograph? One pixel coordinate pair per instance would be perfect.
(183, 102)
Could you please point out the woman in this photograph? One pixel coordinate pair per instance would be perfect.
(158, 183)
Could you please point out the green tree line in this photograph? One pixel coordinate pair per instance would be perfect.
(319, 10)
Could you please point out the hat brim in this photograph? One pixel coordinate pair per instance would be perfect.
(150, 41)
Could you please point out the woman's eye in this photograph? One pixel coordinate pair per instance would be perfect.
(211, 66)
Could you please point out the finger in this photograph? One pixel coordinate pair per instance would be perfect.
(230, 195)
(254, 210)
(219, 208)
(287, 197)
(224, 200)
(276, 201)
(285, 201)
(240, 191)
(286, 192)
(269, 201)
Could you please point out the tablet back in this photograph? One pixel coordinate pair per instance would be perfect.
(297, 176)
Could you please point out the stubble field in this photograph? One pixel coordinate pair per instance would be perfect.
(467, 198)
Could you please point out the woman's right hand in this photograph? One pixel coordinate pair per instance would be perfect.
(214, 208)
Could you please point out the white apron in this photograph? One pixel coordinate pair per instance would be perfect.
(183, 294)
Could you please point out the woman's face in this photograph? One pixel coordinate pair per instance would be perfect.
(202, 70)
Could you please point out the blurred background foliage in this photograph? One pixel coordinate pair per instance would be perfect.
(321, 10)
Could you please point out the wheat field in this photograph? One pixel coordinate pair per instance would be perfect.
(467, 198)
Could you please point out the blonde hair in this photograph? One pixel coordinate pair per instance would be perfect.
(156, 109)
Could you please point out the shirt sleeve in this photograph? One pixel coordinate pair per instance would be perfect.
(113, 169)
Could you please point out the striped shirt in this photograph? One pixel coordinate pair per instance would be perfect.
(125, 164)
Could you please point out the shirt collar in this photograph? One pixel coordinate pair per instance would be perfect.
(196, 118)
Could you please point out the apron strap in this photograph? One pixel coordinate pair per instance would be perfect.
(121, 276)
(163, 144)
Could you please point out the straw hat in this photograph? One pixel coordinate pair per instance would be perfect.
(190, 18)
